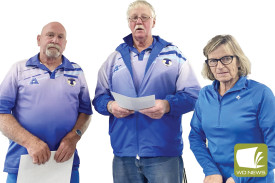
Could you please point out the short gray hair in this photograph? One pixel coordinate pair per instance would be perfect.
(230, 43)
(138, 3)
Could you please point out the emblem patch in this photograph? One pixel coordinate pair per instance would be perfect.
(117, 67)
(71, 81)
(167, 62)
(34, 81)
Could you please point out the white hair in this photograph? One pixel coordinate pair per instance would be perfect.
(138, 3)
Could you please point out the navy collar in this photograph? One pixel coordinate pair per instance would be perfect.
(130, 42)
(124, 50)
(35, 61)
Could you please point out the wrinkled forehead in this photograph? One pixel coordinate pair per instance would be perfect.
(139, 9)
(56, 28)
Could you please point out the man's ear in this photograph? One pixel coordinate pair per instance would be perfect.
(38, 39)
(154, 22)
(65, 44)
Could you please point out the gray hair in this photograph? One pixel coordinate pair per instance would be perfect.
(231, 44)
(138, 3)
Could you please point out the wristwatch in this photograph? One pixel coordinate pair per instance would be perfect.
(78, 132)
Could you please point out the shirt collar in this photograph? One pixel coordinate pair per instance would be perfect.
(240, 84)
(35, 61)
(129, 41)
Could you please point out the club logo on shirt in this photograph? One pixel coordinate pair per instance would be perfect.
(116, 68)
(34, 81)
(71, 81)
(250, 160)
(167, 62)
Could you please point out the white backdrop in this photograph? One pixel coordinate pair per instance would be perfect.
(96, 28)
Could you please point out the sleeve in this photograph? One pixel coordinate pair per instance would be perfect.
(8, 90)
(188, 88)
(84, 97)
(197, 140)
(102, 92)
(266, 118)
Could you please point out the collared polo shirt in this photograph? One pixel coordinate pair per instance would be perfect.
(46, 103)
(139, 61)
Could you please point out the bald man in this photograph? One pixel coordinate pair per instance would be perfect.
(44, 105)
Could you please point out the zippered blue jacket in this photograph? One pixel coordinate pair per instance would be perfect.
(245, 114)
(168, 76)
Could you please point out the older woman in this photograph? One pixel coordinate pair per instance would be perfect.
(232, 110)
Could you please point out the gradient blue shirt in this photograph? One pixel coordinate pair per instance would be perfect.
(46, 103)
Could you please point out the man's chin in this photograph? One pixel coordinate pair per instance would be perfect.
(140, 36)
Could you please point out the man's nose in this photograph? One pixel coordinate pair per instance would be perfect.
(139, 21)
(55, 39)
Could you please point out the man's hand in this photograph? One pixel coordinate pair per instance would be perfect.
(39, 151)
(230, 180)
(213, 179)
(117, 111)
(67, 147)
(161, 107)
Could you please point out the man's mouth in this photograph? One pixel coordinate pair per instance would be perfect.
(53, 47)
(139, 27)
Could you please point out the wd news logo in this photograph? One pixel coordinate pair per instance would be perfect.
(250, 160)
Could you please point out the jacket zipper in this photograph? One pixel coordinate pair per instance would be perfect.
(137, 156)
(220, 109)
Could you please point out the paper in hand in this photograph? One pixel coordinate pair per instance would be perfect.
(49, 172)
(134, 103)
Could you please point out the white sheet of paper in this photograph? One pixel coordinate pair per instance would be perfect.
(134, 103)
(51, 171)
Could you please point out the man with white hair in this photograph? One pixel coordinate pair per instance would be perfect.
(147, 144)
(45, 105)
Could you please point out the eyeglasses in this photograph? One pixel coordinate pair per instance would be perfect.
(143, 18)
(224, 60)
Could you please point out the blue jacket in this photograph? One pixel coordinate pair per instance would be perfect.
(168, 76)
(245, 114)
